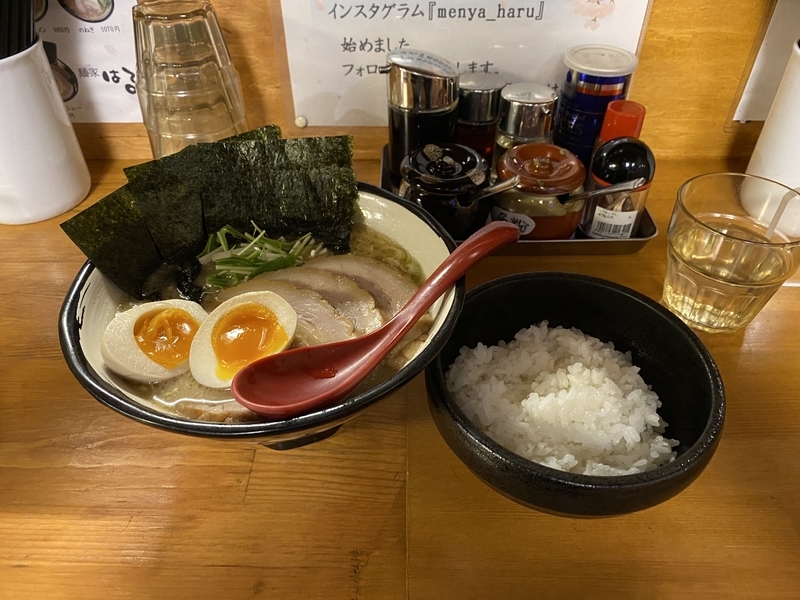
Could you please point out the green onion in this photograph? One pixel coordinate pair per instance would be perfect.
(238, 256)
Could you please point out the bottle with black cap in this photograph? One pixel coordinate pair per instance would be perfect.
(617, 215)
(423, 103)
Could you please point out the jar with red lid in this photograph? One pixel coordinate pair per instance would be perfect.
(539, 204)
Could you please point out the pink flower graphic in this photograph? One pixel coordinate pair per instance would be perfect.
(593, 10)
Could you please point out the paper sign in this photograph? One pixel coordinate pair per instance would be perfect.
(89, 44)
(334, 48)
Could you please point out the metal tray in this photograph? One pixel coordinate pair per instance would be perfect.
(647, 231)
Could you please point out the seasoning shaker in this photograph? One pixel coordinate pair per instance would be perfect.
(596, 75)
(526, 116)
(617, 215)
(478, 111)
(539, 204)
(423, 101)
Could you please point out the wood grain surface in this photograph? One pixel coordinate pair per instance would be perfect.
(96, 506)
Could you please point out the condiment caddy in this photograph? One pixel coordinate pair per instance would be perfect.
(576, 246)
(441, 154)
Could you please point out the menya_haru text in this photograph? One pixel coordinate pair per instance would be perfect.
(536, 12)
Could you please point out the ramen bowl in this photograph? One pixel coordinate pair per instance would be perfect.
(672, 361)
(92, 301)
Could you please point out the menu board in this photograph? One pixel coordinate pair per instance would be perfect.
(334, 48)
(89, 44)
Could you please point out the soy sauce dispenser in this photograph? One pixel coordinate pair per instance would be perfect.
(423, 102)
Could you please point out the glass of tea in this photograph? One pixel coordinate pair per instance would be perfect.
(732, 242)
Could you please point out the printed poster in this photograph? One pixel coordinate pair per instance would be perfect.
(89, 44)
(335, 47)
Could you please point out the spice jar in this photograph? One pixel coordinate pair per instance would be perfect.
(526, 116)
(423, 103)
(595, 76)
(539, 204)
(478, 111)
(445, 179)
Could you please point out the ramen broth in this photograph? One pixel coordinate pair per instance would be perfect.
(182, 396)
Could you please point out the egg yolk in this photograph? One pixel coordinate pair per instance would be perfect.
(244, 334)
(166, 336)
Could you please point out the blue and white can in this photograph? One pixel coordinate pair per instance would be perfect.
(595, 76)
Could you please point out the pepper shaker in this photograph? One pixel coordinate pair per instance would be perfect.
(526, 116)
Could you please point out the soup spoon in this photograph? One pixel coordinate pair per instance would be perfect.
(294, 382)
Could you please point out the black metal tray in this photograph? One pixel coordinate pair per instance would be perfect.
(646, 232)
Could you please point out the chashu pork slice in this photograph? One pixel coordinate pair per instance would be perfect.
(391, 291)
(317, 321)
(341, 292)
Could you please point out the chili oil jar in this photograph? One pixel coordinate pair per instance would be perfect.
(423, 103)
(478, 111)
(539, 204)
(443, 179)
(526, 116)
(596, 75)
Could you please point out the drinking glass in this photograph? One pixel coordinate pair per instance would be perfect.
(189, 91)
(727, 253)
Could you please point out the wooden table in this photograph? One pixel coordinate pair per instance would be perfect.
(94, 505)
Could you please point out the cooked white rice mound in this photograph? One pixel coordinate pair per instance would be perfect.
(563, 399)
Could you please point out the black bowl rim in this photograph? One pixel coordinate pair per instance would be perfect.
(695, 456)
(69, 326)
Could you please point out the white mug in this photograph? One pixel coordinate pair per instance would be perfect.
(42, 170)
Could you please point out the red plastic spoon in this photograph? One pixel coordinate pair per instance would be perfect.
(294, 382)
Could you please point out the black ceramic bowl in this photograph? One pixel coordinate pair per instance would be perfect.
(672, 360)
(92, 302)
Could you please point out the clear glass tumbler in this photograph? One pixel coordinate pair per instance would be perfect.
(727, 254)
(188, 89)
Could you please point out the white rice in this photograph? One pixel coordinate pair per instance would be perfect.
(563, 399)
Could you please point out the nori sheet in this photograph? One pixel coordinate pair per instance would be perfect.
(321, 200)
(267, 132)
(336, 150)
(287, 187)
(169, 191)
(112, 233)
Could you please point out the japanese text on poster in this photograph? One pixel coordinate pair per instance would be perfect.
(334, 48)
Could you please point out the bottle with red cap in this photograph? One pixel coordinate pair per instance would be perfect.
(619, 156)
(623, 118)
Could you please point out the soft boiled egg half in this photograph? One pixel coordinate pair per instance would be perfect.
(238, 332)
(151, 342)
